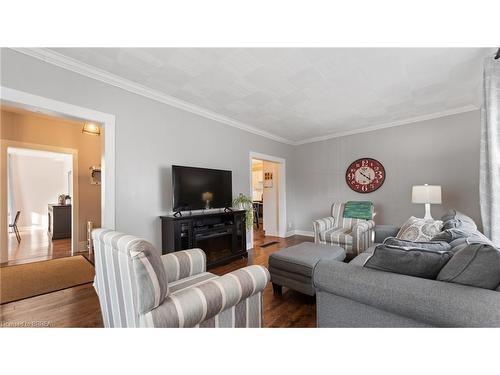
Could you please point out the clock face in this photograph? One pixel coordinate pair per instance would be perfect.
(365, 175)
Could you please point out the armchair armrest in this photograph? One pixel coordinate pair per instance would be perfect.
(362, 235)
(190, 307)
(181, 264)
(432, 302)
(321, 225)
(384, 231)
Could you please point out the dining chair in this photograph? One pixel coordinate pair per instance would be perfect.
(14, 227)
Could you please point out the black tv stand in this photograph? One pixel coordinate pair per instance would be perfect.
(220, 234)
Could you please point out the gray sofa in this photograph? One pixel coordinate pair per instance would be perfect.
(350, 295)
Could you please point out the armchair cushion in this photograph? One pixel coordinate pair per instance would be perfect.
(191, 306)
(337, 235)
(181, 264)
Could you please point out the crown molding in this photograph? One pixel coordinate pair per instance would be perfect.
(408, 121)
(90, 71)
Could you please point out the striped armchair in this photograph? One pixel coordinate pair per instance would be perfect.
(354, 235)
(139, 288)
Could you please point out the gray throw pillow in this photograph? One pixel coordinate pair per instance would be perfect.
(450, 235)
(430, 245)
(458, 220)
(411, 261)
(477, 264)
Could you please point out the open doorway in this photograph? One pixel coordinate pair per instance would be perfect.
(268, 196)
(40, 187)
(52, 169)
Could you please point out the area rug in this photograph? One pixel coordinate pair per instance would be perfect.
(32, 279)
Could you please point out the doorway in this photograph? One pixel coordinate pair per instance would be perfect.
(268, 192)
(45, 106)
(40, 226)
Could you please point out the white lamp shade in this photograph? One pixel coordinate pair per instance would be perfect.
(426, 194)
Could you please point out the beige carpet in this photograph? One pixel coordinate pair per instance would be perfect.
(32, 279)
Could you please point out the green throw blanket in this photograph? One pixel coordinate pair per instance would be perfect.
(358, 210)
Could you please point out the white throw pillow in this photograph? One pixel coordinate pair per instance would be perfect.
(419, 230)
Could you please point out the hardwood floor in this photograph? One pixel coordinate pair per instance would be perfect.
(36, 246)
(79, 306)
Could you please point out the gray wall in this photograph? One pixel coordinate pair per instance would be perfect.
(150, 137)
(443, 151)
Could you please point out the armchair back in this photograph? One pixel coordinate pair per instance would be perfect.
(130, 278)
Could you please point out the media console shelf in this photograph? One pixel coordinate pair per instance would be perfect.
(221, 235)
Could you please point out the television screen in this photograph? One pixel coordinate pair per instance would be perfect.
(201, 188)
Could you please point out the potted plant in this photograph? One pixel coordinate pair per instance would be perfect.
(242, 202)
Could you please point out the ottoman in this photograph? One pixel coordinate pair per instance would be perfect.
(293, 267)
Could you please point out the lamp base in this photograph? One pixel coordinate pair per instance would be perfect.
(428, 212)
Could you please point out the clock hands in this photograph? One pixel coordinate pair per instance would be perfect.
(362, 174)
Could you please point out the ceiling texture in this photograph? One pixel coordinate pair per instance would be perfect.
(299, 95)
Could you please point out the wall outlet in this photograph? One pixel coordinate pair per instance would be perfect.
(290, 225)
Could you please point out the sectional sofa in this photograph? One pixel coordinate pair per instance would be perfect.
(351, 295)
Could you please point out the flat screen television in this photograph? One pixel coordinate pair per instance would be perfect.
(201, 188)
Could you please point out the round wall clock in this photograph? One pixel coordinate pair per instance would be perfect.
(365, 175)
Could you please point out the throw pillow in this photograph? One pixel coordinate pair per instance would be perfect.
(411, 261)
(477, 264)
(450, 235)
(455, 219)
(430, 245)
(419, 230)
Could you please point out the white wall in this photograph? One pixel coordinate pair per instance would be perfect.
(271, 199)
(150, 137)
(443, 151)
(36, 182)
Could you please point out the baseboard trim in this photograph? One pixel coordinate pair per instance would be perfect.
(298, 232)
(82, 246)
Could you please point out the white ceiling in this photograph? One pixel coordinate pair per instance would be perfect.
(299, 94)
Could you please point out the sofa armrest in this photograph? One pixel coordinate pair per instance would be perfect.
(362, 235)
(384, 231)
(191, 306)
(431, 302)
(321, 225)
(181, 264)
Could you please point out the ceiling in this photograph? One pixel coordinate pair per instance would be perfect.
(303, 94)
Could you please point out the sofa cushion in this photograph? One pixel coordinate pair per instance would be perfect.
(361, 259)
(411, 261)
(458, 220)
(476, 264)
(419, 230)
(429, 245)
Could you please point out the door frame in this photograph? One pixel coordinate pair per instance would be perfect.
(57, 108)
(281, 192)
(5, 144)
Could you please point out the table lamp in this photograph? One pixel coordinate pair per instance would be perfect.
(426, 194)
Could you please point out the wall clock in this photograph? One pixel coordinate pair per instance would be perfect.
(365, 175)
